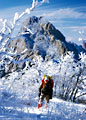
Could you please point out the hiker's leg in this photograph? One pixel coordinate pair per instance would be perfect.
(47, 98)
(41, 98)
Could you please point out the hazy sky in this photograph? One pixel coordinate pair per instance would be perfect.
(69, 16)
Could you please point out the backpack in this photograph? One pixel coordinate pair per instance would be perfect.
(51, 83)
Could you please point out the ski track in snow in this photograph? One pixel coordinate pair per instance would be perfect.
(57, 110)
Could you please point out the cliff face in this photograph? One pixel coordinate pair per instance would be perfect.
(38, 37)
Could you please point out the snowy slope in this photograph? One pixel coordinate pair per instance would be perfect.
(19, 99)
(57, 110)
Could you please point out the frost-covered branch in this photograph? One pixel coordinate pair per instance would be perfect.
(71, 72)
(28, 31)
(8, 29)
(81, 95)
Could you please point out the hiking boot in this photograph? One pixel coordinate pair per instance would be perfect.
(39, 105)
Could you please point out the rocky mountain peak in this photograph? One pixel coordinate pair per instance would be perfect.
(44, 27)
(38, 37)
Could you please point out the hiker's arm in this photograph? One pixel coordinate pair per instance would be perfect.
(40, 90)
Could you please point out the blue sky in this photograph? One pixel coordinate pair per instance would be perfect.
(59, 3)
(69, 16)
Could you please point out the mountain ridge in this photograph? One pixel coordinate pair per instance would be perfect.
(39, 37)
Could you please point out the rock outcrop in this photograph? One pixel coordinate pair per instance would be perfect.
(38, 37)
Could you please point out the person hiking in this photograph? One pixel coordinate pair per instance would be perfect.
(45, 90)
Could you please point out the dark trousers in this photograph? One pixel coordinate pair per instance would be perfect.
(42, 97)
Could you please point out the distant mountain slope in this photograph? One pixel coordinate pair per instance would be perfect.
(42, 38)
(39, 37)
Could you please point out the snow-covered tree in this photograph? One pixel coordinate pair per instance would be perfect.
(72, 77)
(8, 30)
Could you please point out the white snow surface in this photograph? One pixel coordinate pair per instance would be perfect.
(19, 99)
(57, 110)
